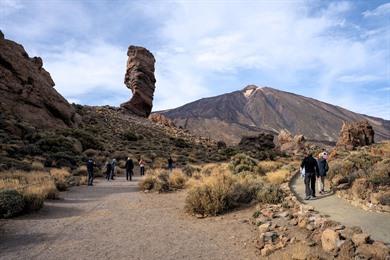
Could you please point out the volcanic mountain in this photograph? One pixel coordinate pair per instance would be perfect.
(253, 109)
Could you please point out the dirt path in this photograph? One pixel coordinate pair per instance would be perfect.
(376, 224)
(116, 221)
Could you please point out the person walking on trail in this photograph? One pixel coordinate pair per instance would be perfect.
(129, 168)
(323, 168)
(141, 167)
(108, 170)
(90, 164)
(310, 166)
(113, 168)
(170, 163)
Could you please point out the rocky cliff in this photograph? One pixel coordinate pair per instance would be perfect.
(27, 92)
(356, 134)
(140, 79)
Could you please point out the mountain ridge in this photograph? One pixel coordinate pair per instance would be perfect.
(254, 109)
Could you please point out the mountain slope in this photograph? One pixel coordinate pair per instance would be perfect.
(230, 116)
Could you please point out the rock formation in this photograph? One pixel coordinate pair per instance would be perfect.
(140, 79)
(289, 143)
(161, 119)
(261, 142)
(356, 134)
(26, 91)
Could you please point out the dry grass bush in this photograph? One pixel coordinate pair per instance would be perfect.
(380, 174)
(161, 180)
(279, 176)
(270, 166)
(189, 170)
(34, 187)
(61, 178)
(37, 166)
(270, 194)
(81, 171)
(244, 163)
(220, 192)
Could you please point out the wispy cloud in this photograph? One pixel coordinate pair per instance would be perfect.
(379, 11)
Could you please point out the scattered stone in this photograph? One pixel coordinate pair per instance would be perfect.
(311, 243)
(267, 250)
(265, 227)
(270, 236)
(293, 222)
(310, 227)
(284, 214)
(302, 223)
(360, 239)
(267, 213)
(377, 250)
(338, 227)
(330, 240)
(347, 250)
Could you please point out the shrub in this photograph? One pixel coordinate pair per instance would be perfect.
(278, 176)
(11, 203)
(244, 163)
(87, 140)
(177, 179)
(380, 173)
(270, 194)
(189, 170)
(37, 166)
(269, 166)
(221, 192)
(130, 136)
(81, 171)
(61, 178)
(161, 180)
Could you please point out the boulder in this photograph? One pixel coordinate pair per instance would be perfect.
(356, 134)
(161, 119)
(377, 250)
(27, 91)
(330, 240)
(288, 143)
(360, 239)
(261, 142)
(140, 79)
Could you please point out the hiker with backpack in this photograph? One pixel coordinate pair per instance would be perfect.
(90, 165)
(141, 166)
(310, 167)
(323, 168)
(108, 170)
(129, 168)
(113, 168)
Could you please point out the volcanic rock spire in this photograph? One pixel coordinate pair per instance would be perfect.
(140, 79)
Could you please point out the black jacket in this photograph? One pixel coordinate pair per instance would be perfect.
(322, 167)
(129, 164)
(90, 165)
(311, 165)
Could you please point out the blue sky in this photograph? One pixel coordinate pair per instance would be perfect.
(334, 51)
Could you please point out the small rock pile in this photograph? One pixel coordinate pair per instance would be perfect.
(161, 119)
(290, 144)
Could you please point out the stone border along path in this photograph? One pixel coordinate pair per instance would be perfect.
(374, 223)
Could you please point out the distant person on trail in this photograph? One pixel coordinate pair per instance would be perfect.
(170, 163)
(141, 167)
(129, 168)
(323, 168)
(90, 164)
(113, 166)
(311, 171)
(108, 170)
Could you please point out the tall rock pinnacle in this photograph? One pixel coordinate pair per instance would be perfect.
(140, 79)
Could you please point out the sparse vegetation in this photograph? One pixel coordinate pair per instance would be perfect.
(61, 178)
(162, 180)
(34, 187)
(244, 163)
(278, 176)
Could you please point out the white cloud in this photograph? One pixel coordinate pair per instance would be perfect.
(357, 78)
(277, 39)
(81, 69)
(379, 11)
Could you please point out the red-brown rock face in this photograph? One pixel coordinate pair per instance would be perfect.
(26, 90)
(140, 79)
(161, 119)
(356, 134)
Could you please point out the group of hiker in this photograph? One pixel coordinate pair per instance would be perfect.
(110, 169)
(312, 169)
